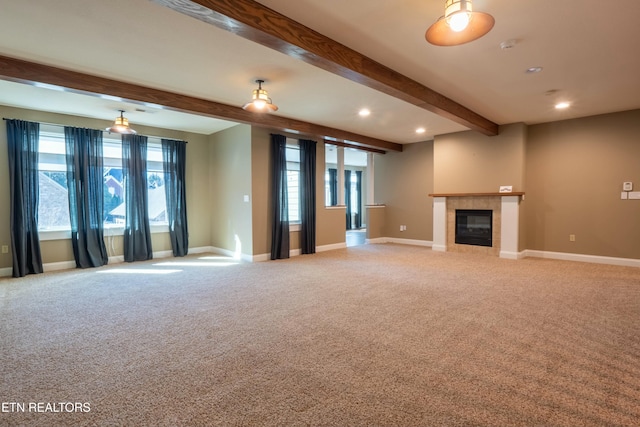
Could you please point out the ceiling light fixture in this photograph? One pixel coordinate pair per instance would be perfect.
(121, 125)
(364, 112)
(562, 105)
(459, 24)
(260, 101)
(420, 130)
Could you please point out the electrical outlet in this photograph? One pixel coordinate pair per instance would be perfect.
(572, 237)
(5, 249)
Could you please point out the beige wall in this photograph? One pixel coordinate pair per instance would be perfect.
(469, 162)
(331, 225)
(329, 229)
(403, 182)
(261, 190)
(377, 220)
(230, 180)
(60, 250)
(575, 171)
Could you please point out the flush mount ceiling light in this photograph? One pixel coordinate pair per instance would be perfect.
(459, 25)
(364, 112)
(121, 125)
(260, 101)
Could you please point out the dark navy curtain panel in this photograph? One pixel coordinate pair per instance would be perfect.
(174, 166)
(85, 179)
(359, 199)
(307, 196)
(333, 186)
(280, 198)
(22, 142)
(347, 197)
(137, 232)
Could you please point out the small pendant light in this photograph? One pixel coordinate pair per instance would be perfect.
(260, 101)
(121, 125)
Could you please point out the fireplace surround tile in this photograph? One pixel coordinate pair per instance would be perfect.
(505, 222)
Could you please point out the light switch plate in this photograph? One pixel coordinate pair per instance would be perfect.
(624, 195)
(627, 186)
(634, 195)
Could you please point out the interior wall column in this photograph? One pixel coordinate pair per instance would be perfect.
(340, 160)
(370, 175)
(439, 224)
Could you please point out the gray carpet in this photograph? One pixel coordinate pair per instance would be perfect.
(382, 335)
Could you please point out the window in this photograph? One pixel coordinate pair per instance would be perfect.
(53, 205)
(53, 209)
(114, 192)
(155, 181)
(293, 182)
(355, 206)
(330, 188)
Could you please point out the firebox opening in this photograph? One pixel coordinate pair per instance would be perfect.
(474, 227)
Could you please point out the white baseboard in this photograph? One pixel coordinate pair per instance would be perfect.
(295, 252)
(331, 247)
(54, 266)
(511, 255)
(115, 259)
(627, 262)
(227, 252)
(412, 242)
(376, 240)
(261, 258)
(202, 250)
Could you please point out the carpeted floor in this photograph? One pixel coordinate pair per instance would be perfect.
(373, 335)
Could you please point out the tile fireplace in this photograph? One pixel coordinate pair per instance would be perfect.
(503, 223)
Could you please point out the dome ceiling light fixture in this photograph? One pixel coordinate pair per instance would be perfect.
(459, 24)
(121, 125)
(260, 101)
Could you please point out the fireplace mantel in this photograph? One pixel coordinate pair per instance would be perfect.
(515, 193)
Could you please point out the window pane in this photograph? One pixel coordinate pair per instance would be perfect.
(53, 203)
(114, 207)
(293, 181)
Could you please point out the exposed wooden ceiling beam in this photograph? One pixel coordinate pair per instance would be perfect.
(253, 21)
(348, 145)
(73, 81)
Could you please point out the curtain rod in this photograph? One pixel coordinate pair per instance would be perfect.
(59, 125)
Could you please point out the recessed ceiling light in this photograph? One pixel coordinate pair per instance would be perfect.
(421, 130)
(562, 105)
(364, 112)
(508, 44)
(533, 70)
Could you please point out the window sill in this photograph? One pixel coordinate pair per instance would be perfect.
(108, 232)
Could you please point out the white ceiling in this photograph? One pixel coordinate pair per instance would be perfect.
(587, 50)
